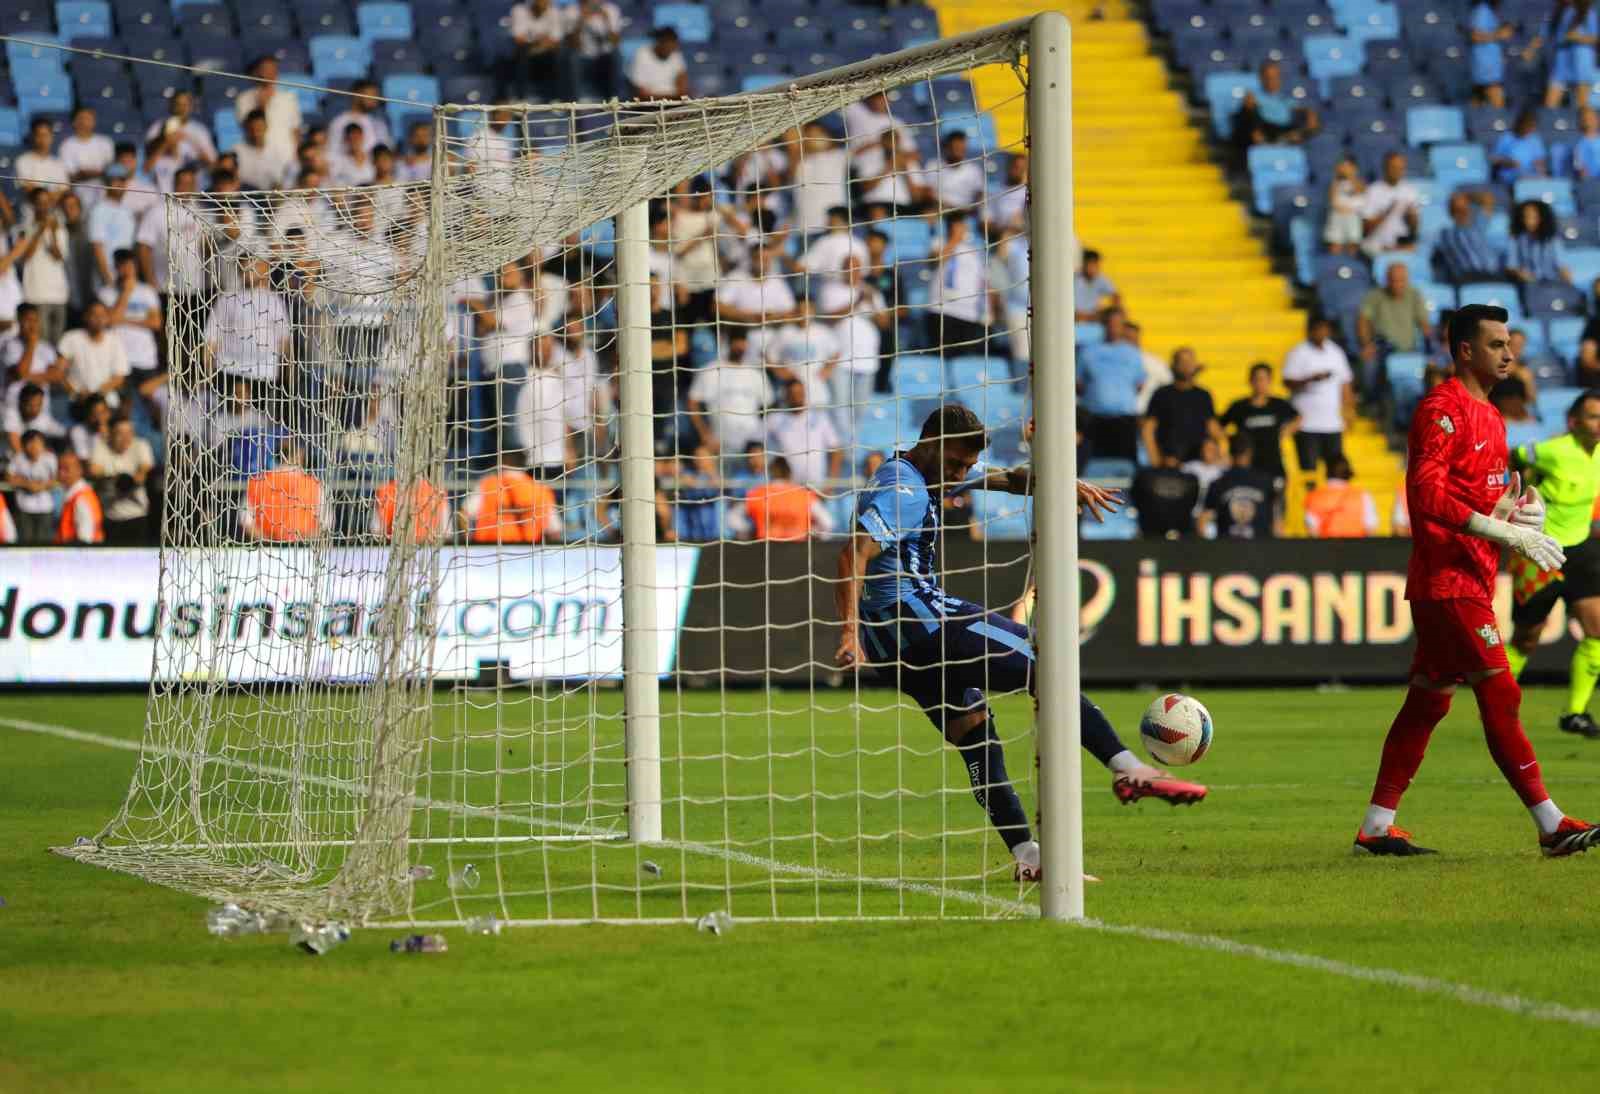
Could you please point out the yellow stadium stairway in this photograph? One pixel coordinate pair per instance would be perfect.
(1151, 200)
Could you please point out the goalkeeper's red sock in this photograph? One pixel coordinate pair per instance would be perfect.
(1499, 704)
(1403, 750)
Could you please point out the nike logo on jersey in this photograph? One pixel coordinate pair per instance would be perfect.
(1527, 765)
(1479, 445)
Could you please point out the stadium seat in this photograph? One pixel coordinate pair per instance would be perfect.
(915, 375)
(323, 17)
(1499, 294)
(1366, 20)
(691, 21)
(225, 128)
(1583, 263)
(1331, 55)
(1551, 299)
(884, 426)
(1437, 295)
(1552, 402)
(421, 90)
(11, 129)
(1224, 92)
(83, 19)
(910, 238)
(35, 51)
(1458, 164)
(470, 90)
(335, 55)
(30, 17)
(1563, 336)
(1556, 193)
(310, 100)
(384, 20)
(1303, 237)
(1433, 124)
(44, 95)
(1119, 526)
(1001, 516)
(975, 373)
(1415, 263)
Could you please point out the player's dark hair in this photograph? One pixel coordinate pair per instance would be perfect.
(1239, 445)
(1465, 321)
(954, 422)
(1091, 255)
(1260, 366)
(1583, 397)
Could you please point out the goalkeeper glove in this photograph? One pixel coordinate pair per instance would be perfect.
(1529, 511)
(1530, 543)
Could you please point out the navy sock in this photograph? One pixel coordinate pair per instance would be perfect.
(1098, 736)
(985, 762)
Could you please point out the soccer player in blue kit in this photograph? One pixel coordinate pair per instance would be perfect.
(943, 652)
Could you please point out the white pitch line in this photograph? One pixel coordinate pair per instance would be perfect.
(1509, 1003)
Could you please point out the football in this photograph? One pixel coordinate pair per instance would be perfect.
(1176, 730)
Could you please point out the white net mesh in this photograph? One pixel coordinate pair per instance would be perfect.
(391, 576)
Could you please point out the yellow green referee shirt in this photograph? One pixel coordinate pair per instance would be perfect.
(1568, 479)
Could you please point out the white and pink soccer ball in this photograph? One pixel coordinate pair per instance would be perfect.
(1176, 730)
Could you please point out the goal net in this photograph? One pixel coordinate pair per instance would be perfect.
(504, 509)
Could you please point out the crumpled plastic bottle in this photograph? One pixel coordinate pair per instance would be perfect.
(718, 922)
(420, 943)
(319, 938)
(230, 921)
(465, 878)
(484, 924)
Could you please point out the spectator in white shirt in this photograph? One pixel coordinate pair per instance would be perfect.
(955, 182)
(95, 425)
(959, 313)
(659, 71)
(112, 225)
(416, 160)
(12, 245)
(248, 334)
(363, 111)
(143, 194)
(807, 438)
(263, 165)
(599, 35)
(543, 63)
(31, 473)
(29, 356)
(861, 319)
(806, 350)
(587, 397)
(541, 417)
(865, 123)
(506, 323)
(890, 173)
(180, 275)
(1317, 374)
(821, 178)
(45, 280)
(1009, 208)
(727, 397)
(825, 257)
(86, 154)
(31, 410)
(122, 464)
(1393, 210)
(96, 361)
(134, 313)
(38, 167)
(353, 165)
(763, 296)
(193, 138)
(280, 108)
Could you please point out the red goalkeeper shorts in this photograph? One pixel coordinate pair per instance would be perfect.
(1454, 639)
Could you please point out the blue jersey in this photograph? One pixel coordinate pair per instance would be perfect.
(901, 601)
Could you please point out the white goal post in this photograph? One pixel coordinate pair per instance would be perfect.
(421, 656)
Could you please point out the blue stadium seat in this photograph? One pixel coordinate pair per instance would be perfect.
(265, 19)
(910, 238)
(221, 52)
(973, 373)
(1433, 124)
(1437, 295)
(1410, 90)
(472, 90)
(1458, 164)
(1499, 294)
(335, 55)
(309, 99)
(1552, 402)
(1331, 55)
(1415, 263)
(1088, 334)
(35, 52)
(1485, 124)
(915, 375)
(155, 43)
(1557, 193)
(323, 17)
(1001, 516)
(11, 130)
(884, 426)
(1365, 20)
(691, 21)
(1303, 237)
(83, 19)
(226, 129)
(384, 20)
(44, 95)
(1225, 91)
(1583, 263)
(1549, 299)
(30, 17)
(1563, 336)
(1119, 526)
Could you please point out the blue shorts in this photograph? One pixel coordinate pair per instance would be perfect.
(949, 672)
(1573, 65)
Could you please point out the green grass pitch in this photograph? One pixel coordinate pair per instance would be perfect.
(109, 983)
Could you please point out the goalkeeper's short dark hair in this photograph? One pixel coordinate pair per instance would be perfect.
(1464, 323)
(954, 422)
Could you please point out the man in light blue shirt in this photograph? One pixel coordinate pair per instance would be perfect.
(1109, 378)
(112, 224)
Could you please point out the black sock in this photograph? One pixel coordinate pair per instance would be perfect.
(1098, 736)
(985, 761)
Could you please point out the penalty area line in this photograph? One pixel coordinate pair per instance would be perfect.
(1506, 1002)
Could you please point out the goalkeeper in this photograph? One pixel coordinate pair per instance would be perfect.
(944, 652)
(1566, 470)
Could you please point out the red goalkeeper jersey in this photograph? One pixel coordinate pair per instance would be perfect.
(1457, 467)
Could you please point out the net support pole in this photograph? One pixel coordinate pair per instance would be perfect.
(1055, 465)
(641, 694)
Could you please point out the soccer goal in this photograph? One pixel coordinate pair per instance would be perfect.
(504, 508)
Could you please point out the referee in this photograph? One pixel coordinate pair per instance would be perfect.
(1566, 469)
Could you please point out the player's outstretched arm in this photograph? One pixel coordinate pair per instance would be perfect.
(1097, 501)
(859, 550)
